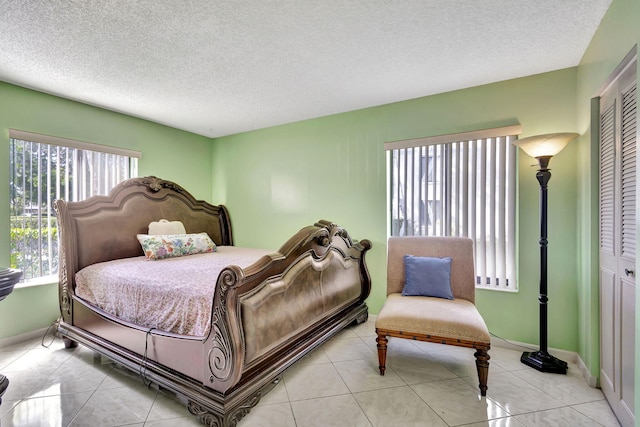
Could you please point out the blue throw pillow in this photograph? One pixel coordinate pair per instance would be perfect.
(427, 276)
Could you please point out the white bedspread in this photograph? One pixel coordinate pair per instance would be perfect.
(171, 294)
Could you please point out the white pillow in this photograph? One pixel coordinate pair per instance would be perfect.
(165, 226)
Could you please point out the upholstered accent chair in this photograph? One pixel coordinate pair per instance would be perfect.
(426, 318)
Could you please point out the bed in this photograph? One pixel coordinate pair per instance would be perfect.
(263, 310)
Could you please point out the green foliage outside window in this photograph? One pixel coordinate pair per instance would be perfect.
(34, 245)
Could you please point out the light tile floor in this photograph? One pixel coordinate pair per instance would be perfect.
(337, 385)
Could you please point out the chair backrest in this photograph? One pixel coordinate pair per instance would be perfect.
(460, 249)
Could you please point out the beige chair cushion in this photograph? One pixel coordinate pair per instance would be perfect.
(455, 319)
(460, 249)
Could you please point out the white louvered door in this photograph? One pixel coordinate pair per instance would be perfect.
(617, 145)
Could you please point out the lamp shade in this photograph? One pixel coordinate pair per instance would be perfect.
(545, 145)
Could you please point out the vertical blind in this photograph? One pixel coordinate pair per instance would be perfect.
(459, 185)
(45, 168)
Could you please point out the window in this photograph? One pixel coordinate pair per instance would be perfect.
(42, 169)
(459, 185)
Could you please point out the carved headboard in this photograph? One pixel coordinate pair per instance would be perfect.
(104, 228)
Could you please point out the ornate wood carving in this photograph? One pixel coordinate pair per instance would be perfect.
(220, 356)
(65, 298)
(66, 256)
(328, 230)
(156, 184)
(230, 419)
(205, 416)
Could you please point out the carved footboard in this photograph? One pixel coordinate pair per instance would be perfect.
(268, 316)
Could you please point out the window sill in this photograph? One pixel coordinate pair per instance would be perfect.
(40, 281)
(509, 291)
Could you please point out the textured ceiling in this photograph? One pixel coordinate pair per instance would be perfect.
(217, 67)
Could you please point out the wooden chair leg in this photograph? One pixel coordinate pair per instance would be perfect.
(382, 351)
(482, 364)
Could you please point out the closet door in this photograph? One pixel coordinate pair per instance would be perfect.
(618, 243)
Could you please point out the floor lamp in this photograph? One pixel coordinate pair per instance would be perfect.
(543, 148)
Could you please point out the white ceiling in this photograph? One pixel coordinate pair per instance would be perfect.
(218, 67)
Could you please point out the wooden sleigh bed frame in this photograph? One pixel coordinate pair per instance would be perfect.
(318, 277)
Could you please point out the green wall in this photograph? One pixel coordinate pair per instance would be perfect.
(278, 179)
(617, 34)
(166, 152)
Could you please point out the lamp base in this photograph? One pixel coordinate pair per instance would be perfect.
(544, 362)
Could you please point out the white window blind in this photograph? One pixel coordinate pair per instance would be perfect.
(42, 169)
(459, 185)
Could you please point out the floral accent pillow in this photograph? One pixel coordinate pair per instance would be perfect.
(175, 245)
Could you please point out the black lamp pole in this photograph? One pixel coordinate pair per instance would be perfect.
(541, 359)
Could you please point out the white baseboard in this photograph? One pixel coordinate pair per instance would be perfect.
(17, 339)
(567, 356)
(586, 375)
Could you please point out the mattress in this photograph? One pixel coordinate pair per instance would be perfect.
(171, 294)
